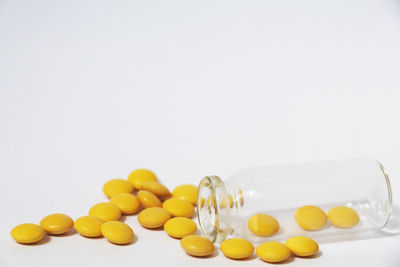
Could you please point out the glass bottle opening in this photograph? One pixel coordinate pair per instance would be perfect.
(213, 209)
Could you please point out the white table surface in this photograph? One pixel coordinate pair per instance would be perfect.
(90, 90)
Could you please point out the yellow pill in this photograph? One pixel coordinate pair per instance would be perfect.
(153, 217)
(156, 188)
(223, 203)
(148, 199)
(179, 227)
(302, 246)
(187, 192)
(105, 211)
(117, 232)
(196, 245)
(178, 207)
(88, 226)
(273, 252)
(343, 217)
(310, 217)
(237, 248)
(57, 223)
(127, 203)
(28, 233)
(137, 177)
(117, 186)
(263, 225)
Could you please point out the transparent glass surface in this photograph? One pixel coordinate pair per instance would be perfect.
(224, 207)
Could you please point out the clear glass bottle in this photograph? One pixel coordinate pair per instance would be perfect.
(224, 207)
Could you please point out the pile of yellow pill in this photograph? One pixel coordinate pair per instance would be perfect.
(158, 207)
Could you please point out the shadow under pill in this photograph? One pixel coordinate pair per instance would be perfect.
(45, 240)
(69, 233)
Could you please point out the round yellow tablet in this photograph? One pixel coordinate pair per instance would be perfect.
(178, 207)
(179, 227)
(148, 199)
(302, 246)
(310, 217)
(343, 217)
(187, 192)
(117, 232)
(126, 202)
(137, 177)
(237, 248)
(105, 211)
(56, 223)
(117, 186)
(156, 188)
(88, 226)
(273, 251)
(196, 245)
(263, 225)
(153, 217)
(28, 233)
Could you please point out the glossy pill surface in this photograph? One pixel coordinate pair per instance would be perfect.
(263, 225)
(57, 223)
(117, 186)
(153, 217)
(187, 192)
(156, 188)
(310, 217)
(179, 207)
(126, 202)
(180, 227)
(28, 233)
(237, 248)
(273, 252)
(137, 177)
(148, 199)
(343, 217)
(88, 226)
(117, 232)
(302, 246)
(105, 211)
(198, 246)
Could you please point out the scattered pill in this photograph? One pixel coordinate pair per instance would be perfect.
(263, 225)
(148, 199)
(28, 233)
(196, 245)
(343, 217)
(302, 246)
(117, 186)
(137, 177)
(156, 188)
(237, 248)
(127, 203)
(56, 223)
(178, 207)
(106, 211)
(117, 232)
(187, 192)
(153, 217)
(273, 252)
(310, 217)
(180, 227)
(88, 226)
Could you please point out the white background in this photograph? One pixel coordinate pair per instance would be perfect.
(90, 90)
